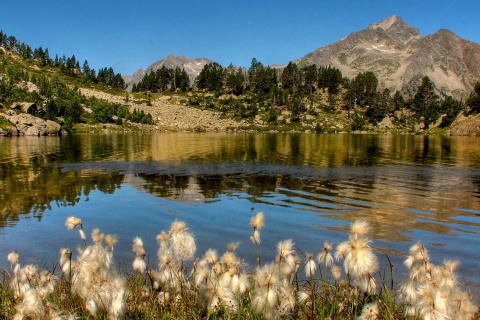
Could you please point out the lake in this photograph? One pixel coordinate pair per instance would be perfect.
(309, 186)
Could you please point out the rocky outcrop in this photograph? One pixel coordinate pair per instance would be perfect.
(24, 124)
(466, 125)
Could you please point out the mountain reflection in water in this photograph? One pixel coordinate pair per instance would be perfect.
(410, 188)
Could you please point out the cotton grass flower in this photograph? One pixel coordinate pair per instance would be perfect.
(182, 241)
(65, 260)
(359, 260)
(13, 257)
(258, 221)
(73, 222)
(360, 228)
(336, 272)
(310, 266)
(232, 246)
(100, 287)
(137, 246)
(82, 234)
(139, 263)
(433, 292)
(370, 311)
(325, 258)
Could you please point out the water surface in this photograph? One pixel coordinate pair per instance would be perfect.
(310, 187)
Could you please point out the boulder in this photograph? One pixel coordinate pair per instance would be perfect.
(4, 132)
(13, 131)
(28, 125)
(386, 123)
(53, 127)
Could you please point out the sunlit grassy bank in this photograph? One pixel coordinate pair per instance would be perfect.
(344, 282)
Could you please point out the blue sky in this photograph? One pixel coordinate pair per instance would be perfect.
(128, 35)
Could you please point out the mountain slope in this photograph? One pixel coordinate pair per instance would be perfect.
(399, 55)
(191, 66)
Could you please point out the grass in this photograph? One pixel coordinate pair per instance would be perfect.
(223, 287)
(4, 123)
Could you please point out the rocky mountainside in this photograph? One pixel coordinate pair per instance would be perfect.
(400, 57)
(191, 66)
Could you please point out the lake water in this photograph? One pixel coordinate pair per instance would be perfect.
(310, 187)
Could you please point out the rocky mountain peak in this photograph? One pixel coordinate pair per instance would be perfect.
(387, 23)
(397, 29)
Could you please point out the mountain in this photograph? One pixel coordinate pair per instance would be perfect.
(400, 57)
(191, 66)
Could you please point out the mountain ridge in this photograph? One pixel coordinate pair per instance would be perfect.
(394, 50)
(398, 54)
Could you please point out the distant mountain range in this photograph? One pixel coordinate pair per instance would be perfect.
(392, 49)
(191, 66)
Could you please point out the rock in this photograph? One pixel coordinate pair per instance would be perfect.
(13, 131)
(53, 127)
(386, 123)
(28, 125)
(4, 132)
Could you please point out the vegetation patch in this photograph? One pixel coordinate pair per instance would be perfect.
(339, 283)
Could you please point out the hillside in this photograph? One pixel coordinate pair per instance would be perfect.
(299, 99)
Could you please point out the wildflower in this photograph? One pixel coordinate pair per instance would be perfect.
(137, 247)
(13, 257)
(258, 221)
(310, 266)
(82, 234)
(360, 228)
(163, 240)
(110, 241)
(211, 256)
(31, 307)
(370, 312)
(229, 259)
(97, 236)
(182, 241)
(256, 237)
(65, 260)
(336, 272)
(360, 261)
(284, 249)
(232, 246)
(303, 296)
(325, 258)
(73, 222)
(139, 264)
(343, 249)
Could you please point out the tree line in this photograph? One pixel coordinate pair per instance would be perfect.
(163, 79)
(67, 65)
(295, 87)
